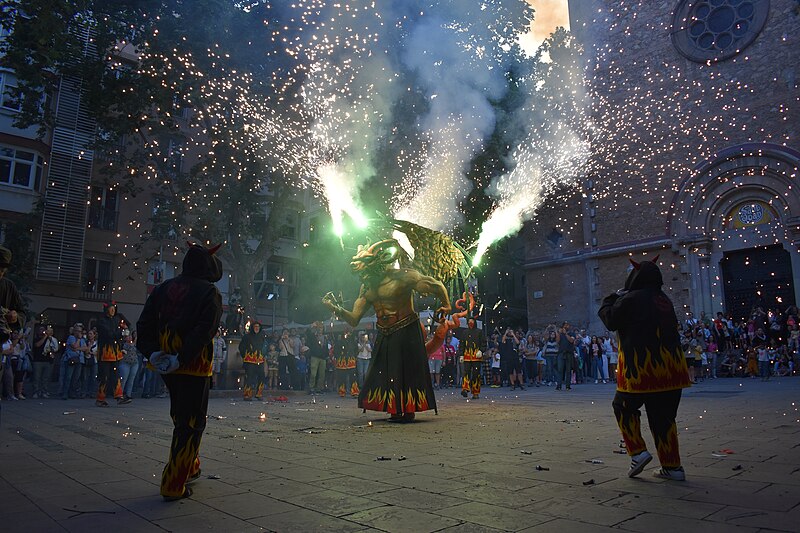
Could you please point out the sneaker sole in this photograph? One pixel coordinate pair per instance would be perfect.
(633, 472)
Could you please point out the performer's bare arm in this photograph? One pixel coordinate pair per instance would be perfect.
(429, 286)
(351, 317)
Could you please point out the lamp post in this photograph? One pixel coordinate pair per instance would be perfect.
(273, 296)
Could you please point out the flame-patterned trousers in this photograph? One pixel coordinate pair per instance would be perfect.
(471, 381)
(662, 408)
(108, 380)
(253, 380)
(188, 397)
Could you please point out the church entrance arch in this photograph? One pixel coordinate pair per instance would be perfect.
(735, 223)
(756, 277)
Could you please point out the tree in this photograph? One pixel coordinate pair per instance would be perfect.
(196, 118)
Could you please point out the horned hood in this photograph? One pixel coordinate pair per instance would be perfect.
(645, 275)
(200, 262)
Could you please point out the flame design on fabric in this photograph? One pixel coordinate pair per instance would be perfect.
(345, 362)
(410, 401)
(253, 356)
(471, 385)
(652, 372)
(354, 390)
(110, 352)
(630, 426)
(183, 461)
(170, 342)
(666, 438)
(342, 390)
(471, 353)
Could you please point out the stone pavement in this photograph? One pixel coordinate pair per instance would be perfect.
(311, 465)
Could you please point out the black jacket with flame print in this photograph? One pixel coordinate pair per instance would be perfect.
(650, 355)
(182, 314)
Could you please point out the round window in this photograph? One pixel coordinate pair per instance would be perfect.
(714, 30)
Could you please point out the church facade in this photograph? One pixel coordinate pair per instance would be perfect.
(696, 160)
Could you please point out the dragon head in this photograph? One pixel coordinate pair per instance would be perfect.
(376, 258)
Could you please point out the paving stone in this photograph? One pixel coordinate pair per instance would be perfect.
(417, 499)
(666, 506)
(306, 520)
(334, 503)
(657, 523)
(355, 486)
(390, 518)
(603, 515)
(509, 517)
(248, 505)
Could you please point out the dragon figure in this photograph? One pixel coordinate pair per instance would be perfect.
(398, 381)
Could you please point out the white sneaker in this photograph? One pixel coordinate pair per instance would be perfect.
(675, 474)
(595, 382)
(638, 462)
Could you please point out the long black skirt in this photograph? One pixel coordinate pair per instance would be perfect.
(398, 380)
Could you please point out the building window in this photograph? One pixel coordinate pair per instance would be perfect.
(288, 224)
(163, 219)
(8, 84)
(715, 30)
(20, 168)
(103, 209)
(274, 279)
(97, 281)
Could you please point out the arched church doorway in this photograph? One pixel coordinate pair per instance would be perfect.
(760, 276)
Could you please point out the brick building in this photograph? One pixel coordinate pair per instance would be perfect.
(698, 107)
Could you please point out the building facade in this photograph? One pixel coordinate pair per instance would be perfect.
(697, 108)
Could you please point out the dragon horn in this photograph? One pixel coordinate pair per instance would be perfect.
(634, 263)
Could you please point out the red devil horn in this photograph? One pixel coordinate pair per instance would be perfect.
(655, 259)
(189, 244)
(634, 263)
(213, 249)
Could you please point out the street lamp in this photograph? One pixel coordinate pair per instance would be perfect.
(274, 297)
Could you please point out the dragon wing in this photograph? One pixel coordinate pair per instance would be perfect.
(435, 254)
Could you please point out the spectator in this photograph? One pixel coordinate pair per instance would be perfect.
(8, 358)
(45, 348)
(530, 352)
(23, 366)
(435, 362)
(497, 379)
(220, 354)
(76, 346)
(12, 316)
(88, 381)
(318, 358)
(364, 357)
(128, 366)
(597, 371)
(449, 365)
(566, 355)
(286, 360)
(272, 367)
(509, 359)
(763, 362)
(551, 355)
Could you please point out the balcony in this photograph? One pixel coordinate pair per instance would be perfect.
(96, 289)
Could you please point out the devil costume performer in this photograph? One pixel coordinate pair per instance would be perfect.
(251, 351)
(651, 368)
(345, 349)
(471, 344)
(181, 317)
(109, 352)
